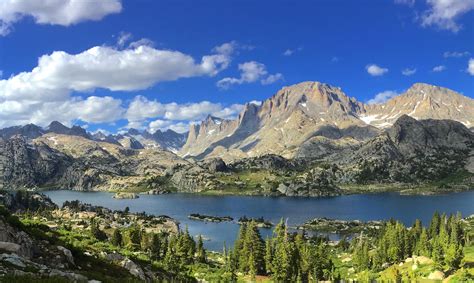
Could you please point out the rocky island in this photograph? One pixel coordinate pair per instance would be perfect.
(210, 218)
(125, 195)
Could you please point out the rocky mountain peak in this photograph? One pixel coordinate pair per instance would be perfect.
(134, 132)
(422, 101)
(56, 125)
(58, 128)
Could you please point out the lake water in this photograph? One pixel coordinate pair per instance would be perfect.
(296, 210)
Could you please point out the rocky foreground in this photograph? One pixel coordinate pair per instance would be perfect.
(58, 243)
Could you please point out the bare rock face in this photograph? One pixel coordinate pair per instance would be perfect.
(14, 240)
(74, 162)
(410, 151)
(306, 111)
(280, 125)
(422, 101)
(26, 165)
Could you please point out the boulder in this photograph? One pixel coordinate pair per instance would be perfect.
(436, 275)
(9, 247)
(13, 259)
(133, 268)
(114, 257)
(67, 253)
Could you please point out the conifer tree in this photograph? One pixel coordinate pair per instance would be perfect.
(155, 246)
(116, 238)
(96, 232)
(268, 255)
(200, 251)
(434, 225)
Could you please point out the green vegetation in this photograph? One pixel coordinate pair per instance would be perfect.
(383, 251)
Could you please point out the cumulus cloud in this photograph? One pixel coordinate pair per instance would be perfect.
(455, 54)
(382, 97)
(54, 12)
(163, 125)
(27, 96)
(408, 72)
(250, 72)
(272, 79)
(171, 114)
(93, 109)
(375, 70)
(445, 13)
(470, 67)
(439, 68)
(59, 73)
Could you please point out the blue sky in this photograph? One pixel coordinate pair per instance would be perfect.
(264, 45)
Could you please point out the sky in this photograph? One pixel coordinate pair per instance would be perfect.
(111, 65)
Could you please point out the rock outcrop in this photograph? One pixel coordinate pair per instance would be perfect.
(410, 151)
(306, 112)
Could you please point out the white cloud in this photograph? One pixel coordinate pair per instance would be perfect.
(439, 68)
(445, 13)
(141, 109)
(470, 67)
(382, 97)
(59, 73)
(289, 52)
(28, 97)
(153, 126)
(141, 42)
(272, 79)
(93, 109)
(408, 72)
(375, 70)
(455, 54)
(163, 125)
(226, 48)
(54, 12)
(250, 72)
(123, 38)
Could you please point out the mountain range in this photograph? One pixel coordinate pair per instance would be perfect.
(132, 139)
(298, 113)
(309, 139)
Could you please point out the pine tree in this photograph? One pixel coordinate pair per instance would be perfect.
(361, 256)
(268, 255)
(239, 244)
(423, 245)
(230, 268)
(96, 232)
(253, 250)
(434, 225)
(171, 260)
(134, 237)
(116, 238)
(453, 256)
(200, 252)
(155, 247)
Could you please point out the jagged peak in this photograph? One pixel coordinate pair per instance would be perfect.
(55, 124)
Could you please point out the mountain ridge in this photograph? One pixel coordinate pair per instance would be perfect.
(297, 113)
